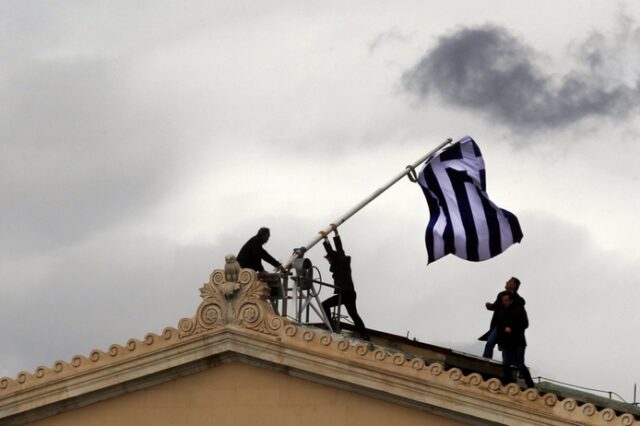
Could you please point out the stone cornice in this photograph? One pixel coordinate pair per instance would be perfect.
(235, 318)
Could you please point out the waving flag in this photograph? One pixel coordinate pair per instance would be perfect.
(463, 220)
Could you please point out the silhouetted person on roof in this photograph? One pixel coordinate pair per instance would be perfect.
(251, 256)
(511, 322)
(511, 286)
(344, 292)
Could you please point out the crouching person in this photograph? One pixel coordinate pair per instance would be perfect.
(251, 256)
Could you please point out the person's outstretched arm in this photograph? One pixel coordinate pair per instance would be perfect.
(492, 306)
(326, 244)
(270, 259)
(337, 241)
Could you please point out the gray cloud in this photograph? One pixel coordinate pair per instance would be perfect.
(113, 287)
(76, 156)
(121, 286)
(393, 35)
(489, 71)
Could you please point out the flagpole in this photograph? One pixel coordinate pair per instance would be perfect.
(364, 202)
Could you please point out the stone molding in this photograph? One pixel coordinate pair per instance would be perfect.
(240, 302)
(235, 317)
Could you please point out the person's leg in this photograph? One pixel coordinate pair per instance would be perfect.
(507, 360)
(275, 289)
(328, 304)
(275, 285)
(491, 343)
(349, 302)
(519, 362)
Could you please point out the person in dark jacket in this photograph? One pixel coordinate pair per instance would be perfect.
(511, 322)
(251, 256)
(512, 286)
(344, 291)
(252, 253)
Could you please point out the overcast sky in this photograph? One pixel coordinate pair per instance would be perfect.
(140, 142)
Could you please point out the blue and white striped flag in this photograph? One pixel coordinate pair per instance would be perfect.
(463, 220)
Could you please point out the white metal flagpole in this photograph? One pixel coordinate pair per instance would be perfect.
(366, 201)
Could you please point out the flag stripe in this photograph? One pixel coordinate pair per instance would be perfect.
(493, 226)
(480, 220)
(516, 231)
(445, 231)
(459, 182)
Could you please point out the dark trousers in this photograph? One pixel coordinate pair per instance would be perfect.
(491, 343)
(349, 302)
(515, 356)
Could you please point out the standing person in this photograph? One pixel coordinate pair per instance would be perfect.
(512, 285)
(340, 267)
(251, 256)
(511, 323)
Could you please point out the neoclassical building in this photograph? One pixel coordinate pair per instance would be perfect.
(236, 362)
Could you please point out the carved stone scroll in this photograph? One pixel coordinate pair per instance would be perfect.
(233, 298)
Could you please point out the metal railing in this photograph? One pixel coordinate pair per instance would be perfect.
(610, 393)
(304, 298)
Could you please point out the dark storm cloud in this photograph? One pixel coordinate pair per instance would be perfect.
(488, 70)
(76, 157)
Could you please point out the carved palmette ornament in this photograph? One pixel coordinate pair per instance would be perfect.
(243, 302)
